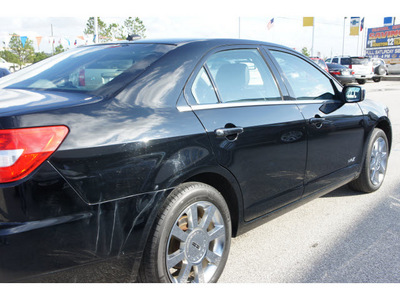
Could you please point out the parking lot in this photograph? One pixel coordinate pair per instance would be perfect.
(341, 237)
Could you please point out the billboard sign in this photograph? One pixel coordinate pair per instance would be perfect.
(384, 42)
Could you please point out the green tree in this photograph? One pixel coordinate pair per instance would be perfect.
(105, 31)
(90, 26)
(59, 49)
(109, 32)
(133, 26)
(40, 56)
(9, 56)
(25, 53)
(305, 51)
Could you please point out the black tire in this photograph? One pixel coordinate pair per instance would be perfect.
(361, 81)
(199, 257)
(376, 79)
(374, 168)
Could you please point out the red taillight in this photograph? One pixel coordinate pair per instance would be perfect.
(23, 150)
(350, 66)
(335, 72)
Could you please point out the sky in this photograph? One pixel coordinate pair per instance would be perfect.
(246, 19)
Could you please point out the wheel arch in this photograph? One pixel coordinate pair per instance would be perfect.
(386, 127)
(231, 194)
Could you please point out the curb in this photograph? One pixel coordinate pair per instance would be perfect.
(391, 78)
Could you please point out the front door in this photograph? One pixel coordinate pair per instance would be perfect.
(334, 128)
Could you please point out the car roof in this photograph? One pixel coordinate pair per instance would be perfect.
(205, 42)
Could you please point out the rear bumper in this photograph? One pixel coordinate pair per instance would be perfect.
(48, 234)
(366, 76)
(345, 79)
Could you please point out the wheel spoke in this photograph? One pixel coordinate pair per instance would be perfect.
(184, 273)
(192, 217)
(218, 231)
(198, 273)
(383, 167)
(175, 258)
(207, 218)
(179, 233)
(374, 177)
(213, 257)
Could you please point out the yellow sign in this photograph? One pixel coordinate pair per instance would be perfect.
(354, 25)
(308, 21)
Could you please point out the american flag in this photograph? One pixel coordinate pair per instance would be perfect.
(270, 24)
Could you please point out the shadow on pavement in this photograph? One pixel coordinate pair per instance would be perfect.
(369, 252)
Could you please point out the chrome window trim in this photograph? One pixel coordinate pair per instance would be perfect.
(246, 104)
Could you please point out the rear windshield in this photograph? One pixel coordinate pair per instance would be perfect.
(87, 69)
(360, 60)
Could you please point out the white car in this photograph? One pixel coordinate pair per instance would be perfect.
(362, 66)
(6, 65)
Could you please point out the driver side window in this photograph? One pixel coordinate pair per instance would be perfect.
(307, 82)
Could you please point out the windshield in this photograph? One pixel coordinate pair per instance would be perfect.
(87, 69)
(360, 60)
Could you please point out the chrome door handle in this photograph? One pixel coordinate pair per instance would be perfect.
(316, 120)
(224, 132)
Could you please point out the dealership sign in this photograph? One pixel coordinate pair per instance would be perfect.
(384, 42)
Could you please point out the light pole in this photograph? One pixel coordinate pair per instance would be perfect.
(344, 27)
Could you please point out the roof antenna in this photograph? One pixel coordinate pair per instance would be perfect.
(133, 37)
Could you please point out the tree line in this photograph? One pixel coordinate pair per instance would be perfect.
(21, 54)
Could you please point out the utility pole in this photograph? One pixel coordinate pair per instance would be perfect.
(312, 42)
(52, 40)
(344, 27)
(239, 27)
(96, 33)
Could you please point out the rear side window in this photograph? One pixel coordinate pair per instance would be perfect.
(345, 61)
(242, 75)
(203, 90)
(88, 68)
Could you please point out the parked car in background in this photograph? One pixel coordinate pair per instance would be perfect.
(393, 69)
(6, 65)
(342, 73)
(4, 72)
(139, 161)
(380, 67)
(362, 66)
(320, 62)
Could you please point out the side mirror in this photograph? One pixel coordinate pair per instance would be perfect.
(353, 93)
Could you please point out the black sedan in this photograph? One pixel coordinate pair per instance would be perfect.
(342, 73)
(138, 161)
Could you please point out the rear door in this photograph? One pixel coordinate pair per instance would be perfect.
(254, 134)
(335, 129)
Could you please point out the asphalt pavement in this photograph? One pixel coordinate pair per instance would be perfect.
(342, 237)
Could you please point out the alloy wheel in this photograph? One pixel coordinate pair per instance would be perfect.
(196, 243)
(378, 161)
